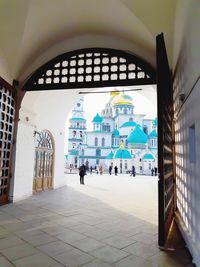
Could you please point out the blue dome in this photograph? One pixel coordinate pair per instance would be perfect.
(148, 156)
(77, 119)
(115, 132)
(137, 136)
(122, 154)
(97, 119)
(153, 134)
(110, 155)
(155, 122)
(128, 124)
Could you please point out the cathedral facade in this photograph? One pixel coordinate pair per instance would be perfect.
(119, 137)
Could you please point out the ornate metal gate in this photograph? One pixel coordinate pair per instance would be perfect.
(43, 168)
(7, 116)
(165, 142)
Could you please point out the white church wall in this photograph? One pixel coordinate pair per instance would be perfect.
(187, 64)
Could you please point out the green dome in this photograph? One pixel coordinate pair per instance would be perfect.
(137, 136)
(110, 155)
(115, 132)
(73, 152)
(122, 154)
(148, 156)
(128, 124)
(97, 119)
(153, 134)
(77, 119)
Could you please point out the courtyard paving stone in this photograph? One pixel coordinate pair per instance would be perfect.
(110, 221)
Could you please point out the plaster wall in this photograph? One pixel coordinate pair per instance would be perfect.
(40, 111)
(24, 164)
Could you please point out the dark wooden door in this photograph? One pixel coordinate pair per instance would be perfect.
(166, 182)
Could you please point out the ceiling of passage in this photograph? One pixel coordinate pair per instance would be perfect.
(34, 31)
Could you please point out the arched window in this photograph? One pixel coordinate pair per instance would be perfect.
(125, 110)
(96, 141)
(103, 141)
(74, 133)
(145, 129)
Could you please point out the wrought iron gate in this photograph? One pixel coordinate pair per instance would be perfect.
(7, 116)
(165, 141)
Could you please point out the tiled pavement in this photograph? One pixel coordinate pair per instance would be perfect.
(110, 221)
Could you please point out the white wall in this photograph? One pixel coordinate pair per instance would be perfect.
(23, 178)
(41, 111)
(187, 72)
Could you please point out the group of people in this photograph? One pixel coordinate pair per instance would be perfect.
(83, 169)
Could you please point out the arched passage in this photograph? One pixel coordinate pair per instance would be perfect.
(100, 67)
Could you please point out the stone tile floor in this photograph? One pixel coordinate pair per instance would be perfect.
(109, 221)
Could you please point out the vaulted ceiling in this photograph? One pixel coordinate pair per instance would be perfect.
(34, 31)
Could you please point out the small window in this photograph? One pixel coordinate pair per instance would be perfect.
(103, 141)
(96, 141)
(192, 146)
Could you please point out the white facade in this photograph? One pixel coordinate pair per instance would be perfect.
(110, 131)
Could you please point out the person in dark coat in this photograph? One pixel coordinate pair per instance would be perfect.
(110, 169)
(133, 171)
(116, 170)
(155, 171)
(152, 171)
(82, 171)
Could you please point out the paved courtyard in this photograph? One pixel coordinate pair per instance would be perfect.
(109, 221)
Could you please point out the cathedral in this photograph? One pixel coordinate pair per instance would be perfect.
(119, 137)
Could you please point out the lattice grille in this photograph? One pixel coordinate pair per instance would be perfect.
(6, 136)
(91, 68)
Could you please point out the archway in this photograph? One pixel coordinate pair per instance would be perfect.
(100, 67)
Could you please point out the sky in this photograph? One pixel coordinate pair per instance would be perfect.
(144, 102)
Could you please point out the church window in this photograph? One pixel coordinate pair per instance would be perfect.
(98, 152)
(145, 129)
(126, 143)
(81, 134)
(125, 110)
(96, 141)
(82, 152)
(78, 104)
(126, 165)
(131, 119)
(78, 124)
(103, 141)
(74, 133)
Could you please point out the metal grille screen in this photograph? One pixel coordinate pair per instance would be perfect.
(6, 136)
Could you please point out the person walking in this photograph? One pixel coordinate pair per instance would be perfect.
(116, 170)
(152, 171)
(133, 171)
(155, 170)
(82, 171)
(110, 169)
(91, 169)
(101, 169)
